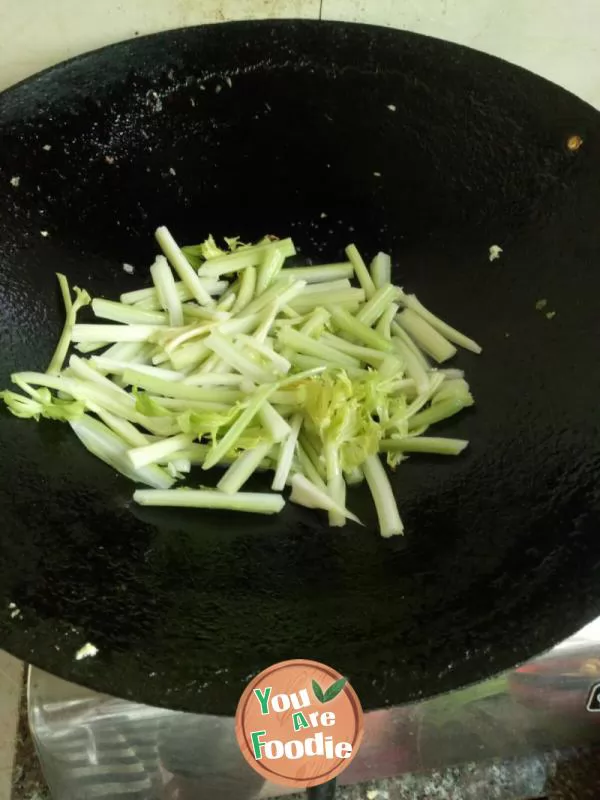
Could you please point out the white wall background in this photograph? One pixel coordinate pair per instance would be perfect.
(554, 38)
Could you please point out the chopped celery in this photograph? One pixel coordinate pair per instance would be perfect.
(183, 268)
(360, 270)
(390, 523)
(82, 298)
(251, 502)
(426, 336)
(243, 468)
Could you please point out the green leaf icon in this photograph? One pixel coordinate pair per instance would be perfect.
(334, 690)
(318, 692)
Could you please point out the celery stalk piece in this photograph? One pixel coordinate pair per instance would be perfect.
(316, 323)
(216, 379)
(178, 405)
(323, 273)
(329, 286)
(246, 290)
(251, 502)
(82, 369)
(244, 258)
(129, 315)
(133, 352)
(308, 468)
(366, 354)
(181, 390)
(110, 448)
(343, 297)
(438, 412)
(213, 287)
(152, 453)
(381, 270)
(426, 336)
(268, 270)
(167, 291)
(446, 330)
(336, 486)
(308, 494)
(424, 444)
(82, 298)
(113, 333)
(360, 270)
(414, 367)
(286, 455)
(435, 381)
(354, 477)
(379, 302)
(183, 268)
(277, 428)
(235, 431)
(352, 326)
(113, 367)
(128, 432)
(192, 311)
(384, 324)
(243, 468)
(278, 362)
(235, 358)
(89, 347)
(398, 332)
(301, 343)
(227, 303)
(390, 523)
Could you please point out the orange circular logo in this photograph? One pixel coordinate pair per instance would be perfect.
(299, 723)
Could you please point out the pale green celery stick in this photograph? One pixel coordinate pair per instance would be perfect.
(113, 333)
(426, 336)
(176, 404)
(269, 296)
(235, 357)
(438, 412)
(392, 366)
(277, 361)
(298, 377)
(435, 381)
(381, 270)
(330, 286)
(268, 270)
(182, 267)
(308, 468)
(311, 495)
(134, 352)
(286, 455)
(424, 444)
(322, 273)
(290, 397)
(193, 311)
(446, 330)
(251, 502)
(211, 363)
(414, 368)
(366, 354)
(242, 259)
(390, 523)
(82, 369)
(216, 379)
(451, 388)
(344, 297)
(451, 374)
(384, 325)
(188, 356)
(354, 476)
(152, 453)
(336, 486)
(380, 301)
(288, 311)
(316, 322)
(195, 453)
(128, 432)
(180, 390)
(111, 448)
(246, 290)
(90, 347)
(213, 286)
(177, 468)
(350, 325)
(399, 333)
(301, 343)
(237, 325)
(227, 303)
(82, 298)
(360, 270)
(235, 431)
(275, 425)
(130, 315)
(243, 468)
(313, 454)
(167, 292)
(300, 361)
(113, 367)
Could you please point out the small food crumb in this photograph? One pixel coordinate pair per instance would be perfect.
(323, 215)
(377, 174)
(574, 142)
(87, 651)
(192, 101)
(392, 107)
(129, 269)
(15, 181)
(109, 159)
(495, 251)
(44, 233)
(47, 147)
(218, 88)
(541, 304)
(228, 81)
(172, 171)
(550, 314)
(15, 613)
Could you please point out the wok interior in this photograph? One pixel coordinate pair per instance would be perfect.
(331, 135)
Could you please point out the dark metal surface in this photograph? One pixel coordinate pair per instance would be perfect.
(502, 548)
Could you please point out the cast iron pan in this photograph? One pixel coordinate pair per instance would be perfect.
(331, 133)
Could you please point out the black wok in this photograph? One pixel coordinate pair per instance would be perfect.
(502, 549)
